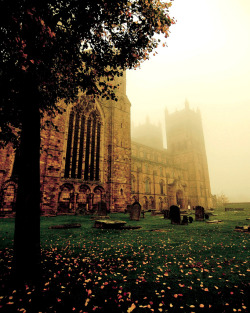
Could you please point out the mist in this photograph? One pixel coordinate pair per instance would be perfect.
(207, 64)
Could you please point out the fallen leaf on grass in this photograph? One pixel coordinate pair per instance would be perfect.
(133, 306)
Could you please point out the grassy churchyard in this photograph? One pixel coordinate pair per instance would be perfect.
(199, 267)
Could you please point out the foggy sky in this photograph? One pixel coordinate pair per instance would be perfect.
(207, 62)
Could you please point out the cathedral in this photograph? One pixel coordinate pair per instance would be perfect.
(91, 157)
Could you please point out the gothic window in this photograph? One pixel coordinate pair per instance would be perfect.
(161, 187)
(83, 143)
(147, 185)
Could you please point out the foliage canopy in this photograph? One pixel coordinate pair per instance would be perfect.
(51, 49)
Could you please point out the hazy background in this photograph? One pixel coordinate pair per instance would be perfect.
(207, 62)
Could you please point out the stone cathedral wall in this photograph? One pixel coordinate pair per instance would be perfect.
(90, 157)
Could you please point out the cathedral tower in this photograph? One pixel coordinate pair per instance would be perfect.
(185, 143)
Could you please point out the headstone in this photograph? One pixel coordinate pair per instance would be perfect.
(174, 215)
(190, 219)
(184, 220)
(102, 208)
(199, 213)
(135, 211)
(166, 214)
(206, 216)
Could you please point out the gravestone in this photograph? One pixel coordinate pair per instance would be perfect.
(65, 226)
(184, 220)
(174, 215)
(190, 219)
(109, 224)
(199, 213)
(245, 228)
(206, 216)
(214, 221)
(102, 208)
(135, 211)
(166, 214)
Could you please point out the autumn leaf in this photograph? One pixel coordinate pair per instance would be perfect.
(133, 306)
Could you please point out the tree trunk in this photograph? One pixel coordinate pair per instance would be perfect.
(27, 251)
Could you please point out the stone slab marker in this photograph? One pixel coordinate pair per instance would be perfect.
(166, 214)
(135, 211)
(184, 220)
(174, 215)
(102, 208)
(199, 213)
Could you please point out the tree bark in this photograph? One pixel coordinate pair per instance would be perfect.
(27, 252)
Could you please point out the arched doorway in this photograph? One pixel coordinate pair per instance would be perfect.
(152, 203)
(8, 197)
(83, 199)
(66, 199)
(98, 196)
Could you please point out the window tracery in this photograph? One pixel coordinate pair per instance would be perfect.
(83, 143)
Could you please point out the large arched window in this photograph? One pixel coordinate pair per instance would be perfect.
(83, 143)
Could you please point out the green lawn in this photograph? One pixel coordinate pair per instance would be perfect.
(161, 267)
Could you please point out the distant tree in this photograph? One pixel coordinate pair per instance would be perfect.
(219, 200)
(51, 50)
